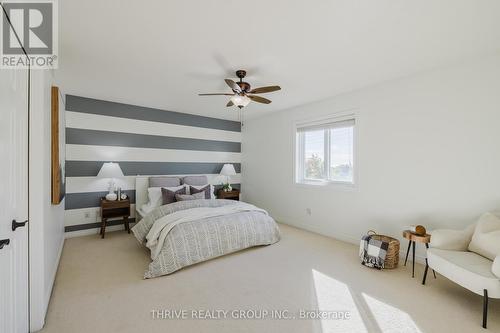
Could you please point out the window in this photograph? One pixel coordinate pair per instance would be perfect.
(325, 152)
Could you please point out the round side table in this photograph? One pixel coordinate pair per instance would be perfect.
(412, 239)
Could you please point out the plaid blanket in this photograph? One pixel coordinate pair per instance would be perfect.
(372, 252)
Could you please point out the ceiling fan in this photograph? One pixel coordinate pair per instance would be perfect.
(242, 92)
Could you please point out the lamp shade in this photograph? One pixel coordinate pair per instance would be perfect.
(110, 170)
(228, 170)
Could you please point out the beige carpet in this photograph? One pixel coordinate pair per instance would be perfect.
(99, 288)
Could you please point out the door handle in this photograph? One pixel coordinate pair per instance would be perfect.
(4, 242)
(16, 224)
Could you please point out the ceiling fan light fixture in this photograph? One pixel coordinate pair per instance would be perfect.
(242, 93)
(240, 100)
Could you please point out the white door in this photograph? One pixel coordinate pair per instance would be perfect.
(14, 96)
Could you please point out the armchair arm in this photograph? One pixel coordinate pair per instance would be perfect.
(447, 239)
(495, 269)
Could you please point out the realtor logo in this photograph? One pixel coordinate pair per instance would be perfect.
(29, 34)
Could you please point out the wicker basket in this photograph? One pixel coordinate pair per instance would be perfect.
(392, 256)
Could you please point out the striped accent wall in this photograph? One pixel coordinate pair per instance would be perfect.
(144, 141)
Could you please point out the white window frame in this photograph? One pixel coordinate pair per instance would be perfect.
(299, 147)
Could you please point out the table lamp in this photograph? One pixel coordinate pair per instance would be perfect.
(228, 171)
(111, 170)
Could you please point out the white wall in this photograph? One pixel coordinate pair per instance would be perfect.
(428, 153)
(46, 220)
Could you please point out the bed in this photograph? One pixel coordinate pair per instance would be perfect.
(183, 233)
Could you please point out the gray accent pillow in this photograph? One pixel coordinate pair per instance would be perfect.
(164, 181)
(184, 197)
(205, 190)
(195, 180)
(169, 196)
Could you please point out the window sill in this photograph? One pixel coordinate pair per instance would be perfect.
(326, 184)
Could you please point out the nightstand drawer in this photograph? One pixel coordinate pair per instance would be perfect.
(115, 212)
(231, 195)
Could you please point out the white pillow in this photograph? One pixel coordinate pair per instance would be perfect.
(486, 238)
(455, 240)
(198, 187)
(155, 198)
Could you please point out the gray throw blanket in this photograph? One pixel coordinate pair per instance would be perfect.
(372, 251)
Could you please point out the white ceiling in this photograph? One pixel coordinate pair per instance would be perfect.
(163, 53)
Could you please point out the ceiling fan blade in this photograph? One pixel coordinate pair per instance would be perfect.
(216, 94)
(233, 85)
(259, 99)
(230, 103)
(263, 90)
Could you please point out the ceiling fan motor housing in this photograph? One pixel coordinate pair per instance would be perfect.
(245, 86)
(240, 73)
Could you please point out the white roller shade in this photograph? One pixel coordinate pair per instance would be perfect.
(325, 125)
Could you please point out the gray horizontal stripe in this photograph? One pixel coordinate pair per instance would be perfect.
(95, 225)
(90, 199)
(106, 108)
(105, 138)
(91, 168)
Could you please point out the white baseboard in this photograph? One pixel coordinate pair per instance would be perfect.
(53, 277)
(39, 306)
(352, 239)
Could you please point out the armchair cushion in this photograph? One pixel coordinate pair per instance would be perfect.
(496, 267)
(467, 269)
(486, 238)
(448, 239)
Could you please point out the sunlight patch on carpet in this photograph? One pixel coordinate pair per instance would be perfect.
(333, 295)
(389, 318)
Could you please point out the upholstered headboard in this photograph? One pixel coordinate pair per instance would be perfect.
(195, 180)
(164, 181)
(142, 183)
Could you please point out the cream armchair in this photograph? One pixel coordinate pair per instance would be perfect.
(451, 254)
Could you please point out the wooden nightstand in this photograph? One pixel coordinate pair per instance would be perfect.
(111, 209)
(231, 195)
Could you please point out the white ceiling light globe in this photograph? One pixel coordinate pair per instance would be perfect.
(239, 100)
(245, 101)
